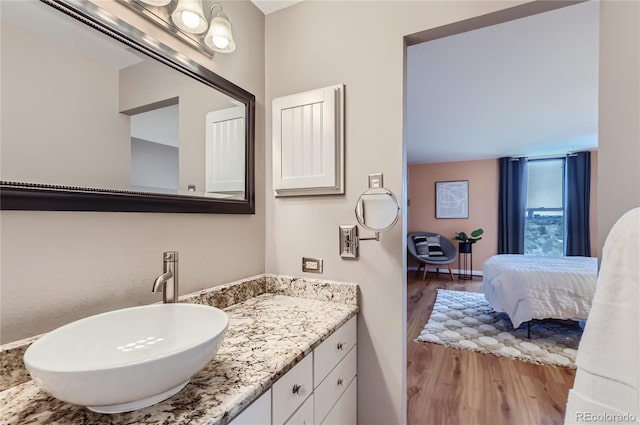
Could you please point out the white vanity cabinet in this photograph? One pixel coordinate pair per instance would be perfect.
(258, 412)
(320, 390)
(333, 367)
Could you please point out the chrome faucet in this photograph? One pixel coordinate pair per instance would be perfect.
(167, 282)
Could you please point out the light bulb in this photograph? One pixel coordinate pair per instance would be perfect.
(220, 42)
(190, 19)
(188, 16)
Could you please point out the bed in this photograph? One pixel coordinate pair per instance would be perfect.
(529, 287)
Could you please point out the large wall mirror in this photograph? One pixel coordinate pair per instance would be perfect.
(98, 116)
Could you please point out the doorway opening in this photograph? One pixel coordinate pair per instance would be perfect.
(498, 85)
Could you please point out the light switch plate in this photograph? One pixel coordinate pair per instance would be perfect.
(376, 180)
(312, 265)
(348, 241)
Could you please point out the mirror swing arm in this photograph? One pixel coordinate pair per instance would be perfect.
(50, 197)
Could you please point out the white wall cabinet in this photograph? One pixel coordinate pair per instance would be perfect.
(308, 142)
(320, 390)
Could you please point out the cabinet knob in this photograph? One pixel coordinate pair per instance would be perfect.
(297, 389)
(340, 381)
(340, 346)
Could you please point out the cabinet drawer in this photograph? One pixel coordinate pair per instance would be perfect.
(345, 412)
(335, 384)
(333, 349)
(292, 389)
(258, 412)
(304, 415)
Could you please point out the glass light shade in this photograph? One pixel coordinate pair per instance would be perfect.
(188, 16)
(158, 3)
(219, 37)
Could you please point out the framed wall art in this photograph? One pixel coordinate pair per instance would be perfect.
(452, 199)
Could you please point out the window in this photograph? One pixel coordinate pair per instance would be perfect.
(544, 216)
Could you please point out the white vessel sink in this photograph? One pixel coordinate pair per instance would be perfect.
(127, 359)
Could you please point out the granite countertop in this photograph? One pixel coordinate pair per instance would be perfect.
(268, 334)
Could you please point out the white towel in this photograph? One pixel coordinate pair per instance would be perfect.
(606, 388)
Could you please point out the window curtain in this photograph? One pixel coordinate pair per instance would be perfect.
(577, 198)
(511, 205)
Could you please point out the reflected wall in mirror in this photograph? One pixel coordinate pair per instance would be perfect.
(377, 209)
(132, 125)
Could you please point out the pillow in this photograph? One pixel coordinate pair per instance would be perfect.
(429, 247)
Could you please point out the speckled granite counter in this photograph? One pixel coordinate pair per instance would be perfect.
(274, 322)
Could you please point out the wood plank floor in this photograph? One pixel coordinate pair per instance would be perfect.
(458, 387)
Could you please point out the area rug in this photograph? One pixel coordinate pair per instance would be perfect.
(465, 320)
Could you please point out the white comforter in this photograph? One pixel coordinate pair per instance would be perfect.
(528, 287)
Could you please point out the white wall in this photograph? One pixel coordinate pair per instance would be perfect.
(61, 266)
(316, 44)
(619, 122)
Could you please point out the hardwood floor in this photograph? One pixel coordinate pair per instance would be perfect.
(458, 387)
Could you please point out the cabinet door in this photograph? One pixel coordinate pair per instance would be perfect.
(258, 412)
(336, 383)
(333, 349)
(345, 412)
(304, 415)
(292, 390)
(308, 146)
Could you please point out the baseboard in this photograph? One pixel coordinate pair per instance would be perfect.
(445, 270)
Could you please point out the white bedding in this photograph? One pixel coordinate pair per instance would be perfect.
(529, 287)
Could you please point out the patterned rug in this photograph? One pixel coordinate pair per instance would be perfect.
(465, 320)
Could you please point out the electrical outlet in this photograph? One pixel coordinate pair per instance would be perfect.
(311, 265)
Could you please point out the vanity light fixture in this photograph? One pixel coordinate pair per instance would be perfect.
(187, 19)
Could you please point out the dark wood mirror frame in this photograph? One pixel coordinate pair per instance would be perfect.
(43, 197)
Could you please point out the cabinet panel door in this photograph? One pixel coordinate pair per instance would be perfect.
(307, 139)
(333, 349)
(258, 412)
(345, 412)
(292, 389)
(328, 393)
(304, 415)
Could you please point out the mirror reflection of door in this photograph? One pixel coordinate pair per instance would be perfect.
(225, 153)
(155, 150)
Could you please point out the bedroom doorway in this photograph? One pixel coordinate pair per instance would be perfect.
(475, 106)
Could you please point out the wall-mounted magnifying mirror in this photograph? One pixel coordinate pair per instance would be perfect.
(377, 210)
